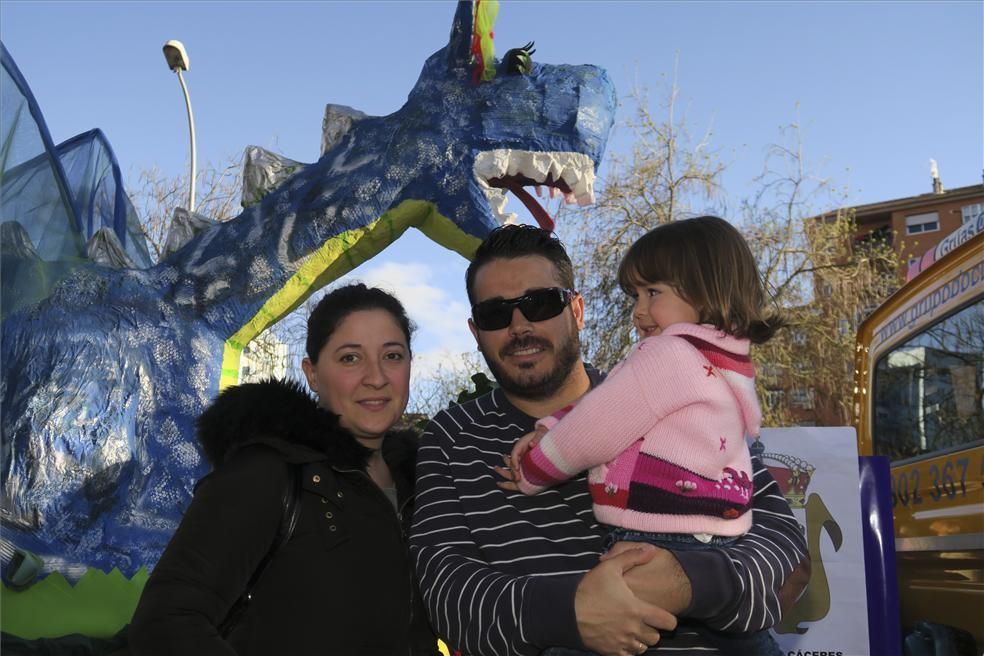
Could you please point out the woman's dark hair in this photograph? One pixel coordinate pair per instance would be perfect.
(343, 301)
(518, 240)
(708, 263)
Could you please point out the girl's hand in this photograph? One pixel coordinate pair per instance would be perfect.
(511, 475)
(524, 444)
(512, 470)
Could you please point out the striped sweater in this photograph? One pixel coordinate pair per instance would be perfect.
(664, 437)
(498, 570)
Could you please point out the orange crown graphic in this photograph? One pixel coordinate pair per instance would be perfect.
(793, 474)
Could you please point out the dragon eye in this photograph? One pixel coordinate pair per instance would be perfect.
(520, 60)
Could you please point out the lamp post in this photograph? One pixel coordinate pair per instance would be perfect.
(177, 61)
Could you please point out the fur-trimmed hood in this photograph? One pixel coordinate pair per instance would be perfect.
(283, 415)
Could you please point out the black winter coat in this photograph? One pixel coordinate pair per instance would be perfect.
(342, 584)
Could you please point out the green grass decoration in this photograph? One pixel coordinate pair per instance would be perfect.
(99, 605)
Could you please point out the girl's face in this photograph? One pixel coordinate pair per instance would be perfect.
(363, 373)
(658, 307)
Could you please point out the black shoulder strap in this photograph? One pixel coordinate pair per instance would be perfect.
(288, 522)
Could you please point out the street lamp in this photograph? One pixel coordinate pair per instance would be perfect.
(177, 61)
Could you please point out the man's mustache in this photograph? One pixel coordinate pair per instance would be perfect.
(521, 343)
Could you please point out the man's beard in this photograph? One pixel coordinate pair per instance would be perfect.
(566, 356)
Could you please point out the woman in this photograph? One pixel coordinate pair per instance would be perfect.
(342, 583)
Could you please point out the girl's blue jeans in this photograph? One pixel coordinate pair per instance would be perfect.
(753, 643)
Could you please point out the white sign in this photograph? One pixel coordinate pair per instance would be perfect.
(817, 469)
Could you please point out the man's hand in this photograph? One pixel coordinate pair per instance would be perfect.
(659, 581)
(610, 619)
(795, 585)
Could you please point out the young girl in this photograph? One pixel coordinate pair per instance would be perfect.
(664, 435)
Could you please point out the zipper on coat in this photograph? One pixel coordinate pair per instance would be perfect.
(398, 516)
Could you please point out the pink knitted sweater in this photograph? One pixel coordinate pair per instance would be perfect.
(664, 437)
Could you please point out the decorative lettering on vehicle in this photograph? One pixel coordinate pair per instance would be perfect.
(955, 287)
(941, 481)
(964, 233)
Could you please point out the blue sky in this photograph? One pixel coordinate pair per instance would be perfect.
(879, 88)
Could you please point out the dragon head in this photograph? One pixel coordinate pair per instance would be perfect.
(471, 131)
(530, 125)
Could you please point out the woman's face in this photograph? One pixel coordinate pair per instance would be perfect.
(363, 373)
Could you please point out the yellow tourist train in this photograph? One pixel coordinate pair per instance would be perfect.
(918, 400)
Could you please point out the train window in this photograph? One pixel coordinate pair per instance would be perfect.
(928, 391)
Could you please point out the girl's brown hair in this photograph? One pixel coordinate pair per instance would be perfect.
(708, 263)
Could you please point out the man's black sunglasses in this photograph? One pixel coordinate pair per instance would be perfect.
(538, 305)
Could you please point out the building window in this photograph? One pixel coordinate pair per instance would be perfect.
(971, 212)
(920, 223)
(826, 289)
(844, 326)
(774, 398)
(799, 338)
(802, 398)
(771, 372)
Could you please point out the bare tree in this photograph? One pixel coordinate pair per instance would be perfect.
(442, 386)
(823, 276)
(219, 191)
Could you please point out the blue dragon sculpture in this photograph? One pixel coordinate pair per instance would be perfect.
(102, 380)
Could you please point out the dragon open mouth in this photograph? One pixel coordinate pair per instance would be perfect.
(569, 174)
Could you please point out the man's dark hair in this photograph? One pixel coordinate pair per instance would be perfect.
(339, 303)
(514, 240)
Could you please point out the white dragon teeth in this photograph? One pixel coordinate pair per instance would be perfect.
(584, 186)
(571, 176)
(556, 170)
(575, 169)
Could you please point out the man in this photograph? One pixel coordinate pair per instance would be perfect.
(502, 573)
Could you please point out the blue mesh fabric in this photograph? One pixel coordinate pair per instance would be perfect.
(52, 199)
(39, 232)
(95, 182)
(33, 191)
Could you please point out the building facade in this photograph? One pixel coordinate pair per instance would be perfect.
(918, 224)
(918, 229)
